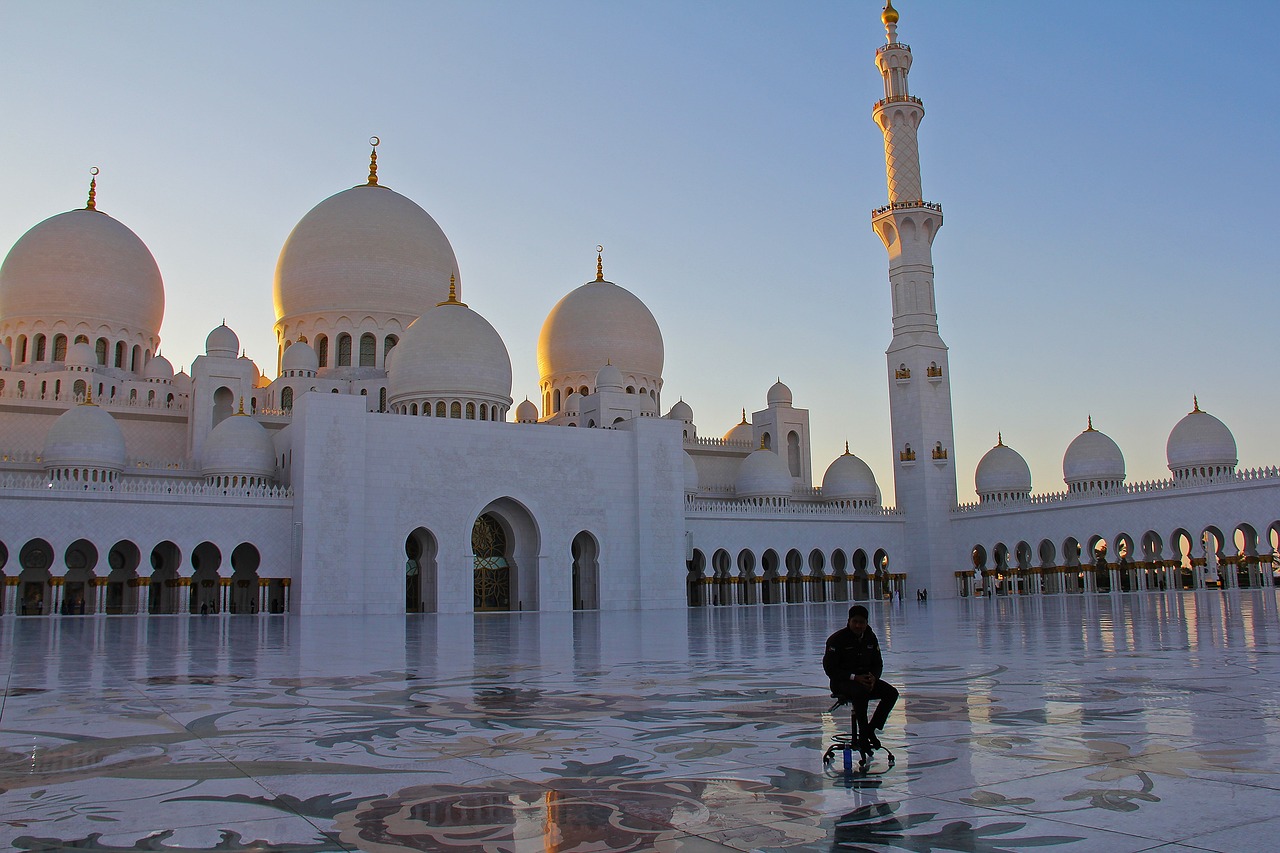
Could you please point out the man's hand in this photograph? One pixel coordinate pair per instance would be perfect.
(867, 680)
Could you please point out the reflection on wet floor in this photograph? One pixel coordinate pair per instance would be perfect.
(1114, 723)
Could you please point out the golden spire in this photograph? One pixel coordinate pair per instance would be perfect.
(846, 449)
(1090, 428)
(93, 189)
(453, 293)
(762, 447)
(88, 395)
(890, 15)
(599, 263)
(241, 412)
(373, 162)
(999, 439)
(1195, 404)
(744, 416)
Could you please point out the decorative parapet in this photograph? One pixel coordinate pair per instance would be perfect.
(719, 442)
(784, 506)
(143, 487)
(907, 205)
(899, 99)
(122, 401)
(1251, 475)
(893, 45)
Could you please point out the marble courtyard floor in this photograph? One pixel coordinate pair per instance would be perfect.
(1125, 723)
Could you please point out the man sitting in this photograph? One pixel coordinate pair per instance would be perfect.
(853, 663)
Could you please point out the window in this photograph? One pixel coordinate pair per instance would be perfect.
(100, 350)
(286, 399)
(368, 350)
(137, 359)
(440, 409)
(120, 354)
(387, 344)
(22, 349)
(484, 412)
(322, 350)
(455, 411)
(793, 453)
(382, 399)
(471, 411)
(39, 348)
(344, 350)
(151, 396)
(82, 339)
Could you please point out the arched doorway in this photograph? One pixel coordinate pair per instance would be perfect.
(693, 580)
(420, 572)
(769, 588)
(205, 588)
(492, 570)
(162, 594)
(35, 558)
(245, 560)
(78, 584)
(504, 548)
(586, 572)
(122, 574)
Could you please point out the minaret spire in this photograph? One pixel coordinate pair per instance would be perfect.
(599, 263)
(373, 161)
(93, 189)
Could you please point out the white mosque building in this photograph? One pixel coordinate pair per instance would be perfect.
(384, 470)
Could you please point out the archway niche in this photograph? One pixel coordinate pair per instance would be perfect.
(224, 403)
(881, 563)
(245, 561)
(720, 565)
(121, 581)
(205, 583)
(420, 571)
(817, 582)
(747, 575)
(695, 565)
(769, 592)
(35, 558)
(861, 582)
(162, 589)
(586, 572)
(839, 570)
(78, 583)
(1182, 544)
(504, 547)
(795, 577)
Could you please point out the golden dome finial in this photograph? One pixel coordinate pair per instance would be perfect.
(846, 449)
(890, 15)
(1195, 404)
(762, 447)
(241, 412)
(744, 416)
(453, 293)
(1090, 428)
(88, 395)
(599, 263)
(93, 189)
(999, 439)
(373, 161)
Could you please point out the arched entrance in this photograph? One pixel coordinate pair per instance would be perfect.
(122, 574)
(420, 572)
(586, 572)
(162, 593)
(245, 560)
(34, 558)
(205, 589)
(78, 584)
(504, 548)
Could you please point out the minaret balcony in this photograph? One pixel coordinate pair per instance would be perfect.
(917, 204)
(898, 99)
(893, 45)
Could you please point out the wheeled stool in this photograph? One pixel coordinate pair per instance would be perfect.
(861, 739)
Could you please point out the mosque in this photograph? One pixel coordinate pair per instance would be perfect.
(383, 469)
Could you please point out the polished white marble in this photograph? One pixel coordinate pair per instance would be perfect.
(1119, 723)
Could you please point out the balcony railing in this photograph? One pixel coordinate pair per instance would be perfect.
(907, 205)
(899, 99)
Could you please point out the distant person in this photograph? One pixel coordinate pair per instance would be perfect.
(853, 663)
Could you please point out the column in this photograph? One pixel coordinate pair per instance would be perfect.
(184, 595)
(55, 596)
(99, 596)
(288, 605)
(11, 595)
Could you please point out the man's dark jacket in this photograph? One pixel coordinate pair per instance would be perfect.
(848, 654)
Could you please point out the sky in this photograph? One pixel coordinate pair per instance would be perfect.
(1107, 172)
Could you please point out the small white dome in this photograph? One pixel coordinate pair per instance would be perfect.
(779, 394)
(690, 474)
(526, 412)
(239, 447)
(1200, 440)
(742, 432)
(81, 355)
(763, 474)
(82, 266)
(182, 382)
(84, 436)
(848, 478)
(366, 250)
(158, 369)
(300, 356)
(596, 323)
(1093, 457)
(609, 378)
(222, 343)
(6, 358)
(1002, 471)
(681, 411)
(253, 367)
(451, 351)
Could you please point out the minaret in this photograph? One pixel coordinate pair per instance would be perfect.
(919, 375)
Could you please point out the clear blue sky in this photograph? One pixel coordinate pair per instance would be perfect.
(1108, 172)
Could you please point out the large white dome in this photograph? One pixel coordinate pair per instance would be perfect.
(84, 436)
(1093, 458)
(600, 323)
(82, 266)
(848, 478)
(451, 352)
(1002, 471)
(366, 250)
(239, 447)
(741, 432)
(763, 474)
(1199, 441)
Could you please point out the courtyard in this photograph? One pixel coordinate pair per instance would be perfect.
(1120, 722)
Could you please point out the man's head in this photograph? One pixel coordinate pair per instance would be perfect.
(857, 619)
